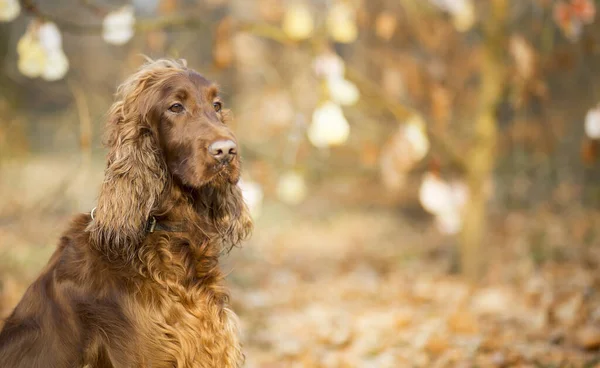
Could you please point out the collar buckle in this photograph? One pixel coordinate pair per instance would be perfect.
(152, 224)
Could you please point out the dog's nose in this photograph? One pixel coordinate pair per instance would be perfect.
(223, 150)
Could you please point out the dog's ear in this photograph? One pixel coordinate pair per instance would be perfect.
(232, 219)
(135, 176)
(228, 212)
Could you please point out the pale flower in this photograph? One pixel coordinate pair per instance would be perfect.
(329, 126)
(32, 56)
(329, 65)
(40, 52)
(524, 56)
(448, 223)
(462, 11)
(414, 132)
(464, 18)
(117, 26)
(342, 91)
(460, 192)
(56, 66)
(410, 143)
(341, 23)
(592, 123)
(291, 188)
(403, 150)
(435, 194)
(298, 21)
(439, 197)
(9, 10)
(50, 37)
(253, 196)
(33, 63)
(444, 200)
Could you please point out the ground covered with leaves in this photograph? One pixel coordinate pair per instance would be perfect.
(376, 288)
(371, 289)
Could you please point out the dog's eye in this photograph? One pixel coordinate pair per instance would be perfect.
(218, 106)
(176, 108)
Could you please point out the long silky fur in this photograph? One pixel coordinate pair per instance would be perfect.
(228, 213)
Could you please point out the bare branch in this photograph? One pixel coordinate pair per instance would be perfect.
(187, 22)
(175, 22)
(400, 111)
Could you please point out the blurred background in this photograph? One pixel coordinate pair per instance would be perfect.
(423, 174)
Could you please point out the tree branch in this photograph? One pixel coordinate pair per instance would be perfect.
(400, 111)
(185, 22)
(175, 22)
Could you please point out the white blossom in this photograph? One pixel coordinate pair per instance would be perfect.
(9, 10)
(50, 37)
(416, 137)
(40, 52)
(329, 126)
(341, 23)
(56, 66)
(524, 56)
(298, 21)
(448, 223)
(462, 11)
(444, 200)
(32, 56)
(117, 27)
(253, 196)
(329, 65)
(592, 123)
(342, 91)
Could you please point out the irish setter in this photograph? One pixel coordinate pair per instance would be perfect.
(136, 283)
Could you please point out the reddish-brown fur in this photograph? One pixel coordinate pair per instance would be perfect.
(114, 294)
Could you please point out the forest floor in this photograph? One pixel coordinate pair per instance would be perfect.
(375, 288)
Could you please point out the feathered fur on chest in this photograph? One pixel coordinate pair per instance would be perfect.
(181, 304)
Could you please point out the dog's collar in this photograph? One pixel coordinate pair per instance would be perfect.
(152, 225)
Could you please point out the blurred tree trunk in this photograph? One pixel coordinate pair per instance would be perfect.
(480, 160)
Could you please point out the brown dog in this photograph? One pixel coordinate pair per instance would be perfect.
(136, 283)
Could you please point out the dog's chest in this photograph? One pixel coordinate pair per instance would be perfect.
(188, 331)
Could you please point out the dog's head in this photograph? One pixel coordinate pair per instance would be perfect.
(191, 121)
(168, 128)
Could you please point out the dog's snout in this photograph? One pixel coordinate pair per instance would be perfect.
(223, 150)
